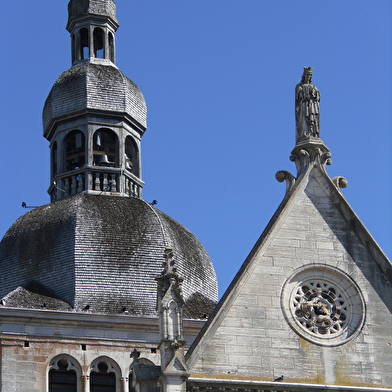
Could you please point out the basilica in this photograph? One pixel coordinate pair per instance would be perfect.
(102, 292)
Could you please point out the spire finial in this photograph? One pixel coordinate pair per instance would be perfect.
(309, 149)
(135, 355)
(169, 276)
(168, 264)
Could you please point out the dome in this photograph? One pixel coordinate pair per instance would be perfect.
(95, 87)
(101, 255)
(80, 8)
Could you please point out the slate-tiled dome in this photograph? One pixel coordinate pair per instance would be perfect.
(79, 8)
(102, 254)
(94, 86)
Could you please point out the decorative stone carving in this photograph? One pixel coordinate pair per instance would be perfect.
(307, 107)
(309, 151)
(340, 182)
(320, 307)
(323, 305)
(169, 306)
(310, 156)
(283, 175)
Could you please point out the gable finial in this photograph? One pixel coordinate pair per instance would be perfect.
(309, 150)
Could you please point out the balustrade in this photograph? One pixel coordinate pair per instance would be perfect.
(95, 179)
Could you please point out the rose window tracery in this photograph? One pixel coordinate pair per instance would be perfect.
(320, 308)
(323, 305)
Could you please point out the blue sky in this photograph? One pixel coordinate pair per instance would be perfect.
(218, 77)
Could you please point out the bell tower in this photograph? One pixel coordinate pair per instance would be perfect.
(94, 116)
(92, 25)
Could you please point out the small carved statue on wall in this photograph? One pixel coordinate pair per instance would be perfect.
(307, 107)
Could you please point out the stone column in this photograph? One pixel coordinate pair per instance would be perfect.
(124, 382)
(86, 383)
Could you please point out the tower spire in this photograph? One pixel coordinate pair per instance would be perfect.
(92, 25)
(94, 116)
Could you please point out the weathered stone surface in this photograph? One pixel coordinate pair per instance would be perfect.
(31, 339)
(330, 242)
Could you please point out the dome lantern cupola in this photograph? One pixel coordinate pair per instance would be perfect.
(98, 246)
(94, 116)
(92, 25)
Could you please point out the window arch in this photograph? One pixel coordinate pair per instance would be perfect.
(104, 376)
(64, 374)
(131, 156)
(99, 40)
(75, 151)
(105, 148)
(111, 48)
(84, 52)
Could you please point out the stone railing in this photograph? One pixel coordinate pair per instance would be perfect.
(97, 180)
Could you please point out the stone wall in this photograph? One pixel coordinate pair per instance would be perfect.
(255, 334)
(30, 340)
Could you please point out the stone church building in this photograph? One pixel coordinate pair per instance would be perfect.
(102, 292)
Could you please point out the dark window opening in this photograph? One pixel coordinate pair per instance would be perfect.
(75, 154)
(54, 160)
(102, 381)
(62, 379)
(99, 43)
(27, 344)
(84, 44)
(132, 156)
(111, 47)
(84, 347)
(105, 148)
(73, 48)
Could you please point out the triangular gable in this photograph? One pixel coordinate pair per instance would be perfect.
(314, 238)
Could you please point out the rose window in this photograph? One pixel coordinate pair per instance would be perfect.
(323, 305)
(320, 308)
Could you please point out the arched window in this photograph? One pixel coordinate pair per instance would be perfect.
(111, 48)
(75, 152)
(105, 148)
(84, 44)
(54, 160)
(131, 156)
(104, 376)
(99, 43)
(73, 48)
(64, 374)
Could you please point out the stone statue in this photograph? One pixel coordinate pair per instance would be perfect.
(307, 107)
